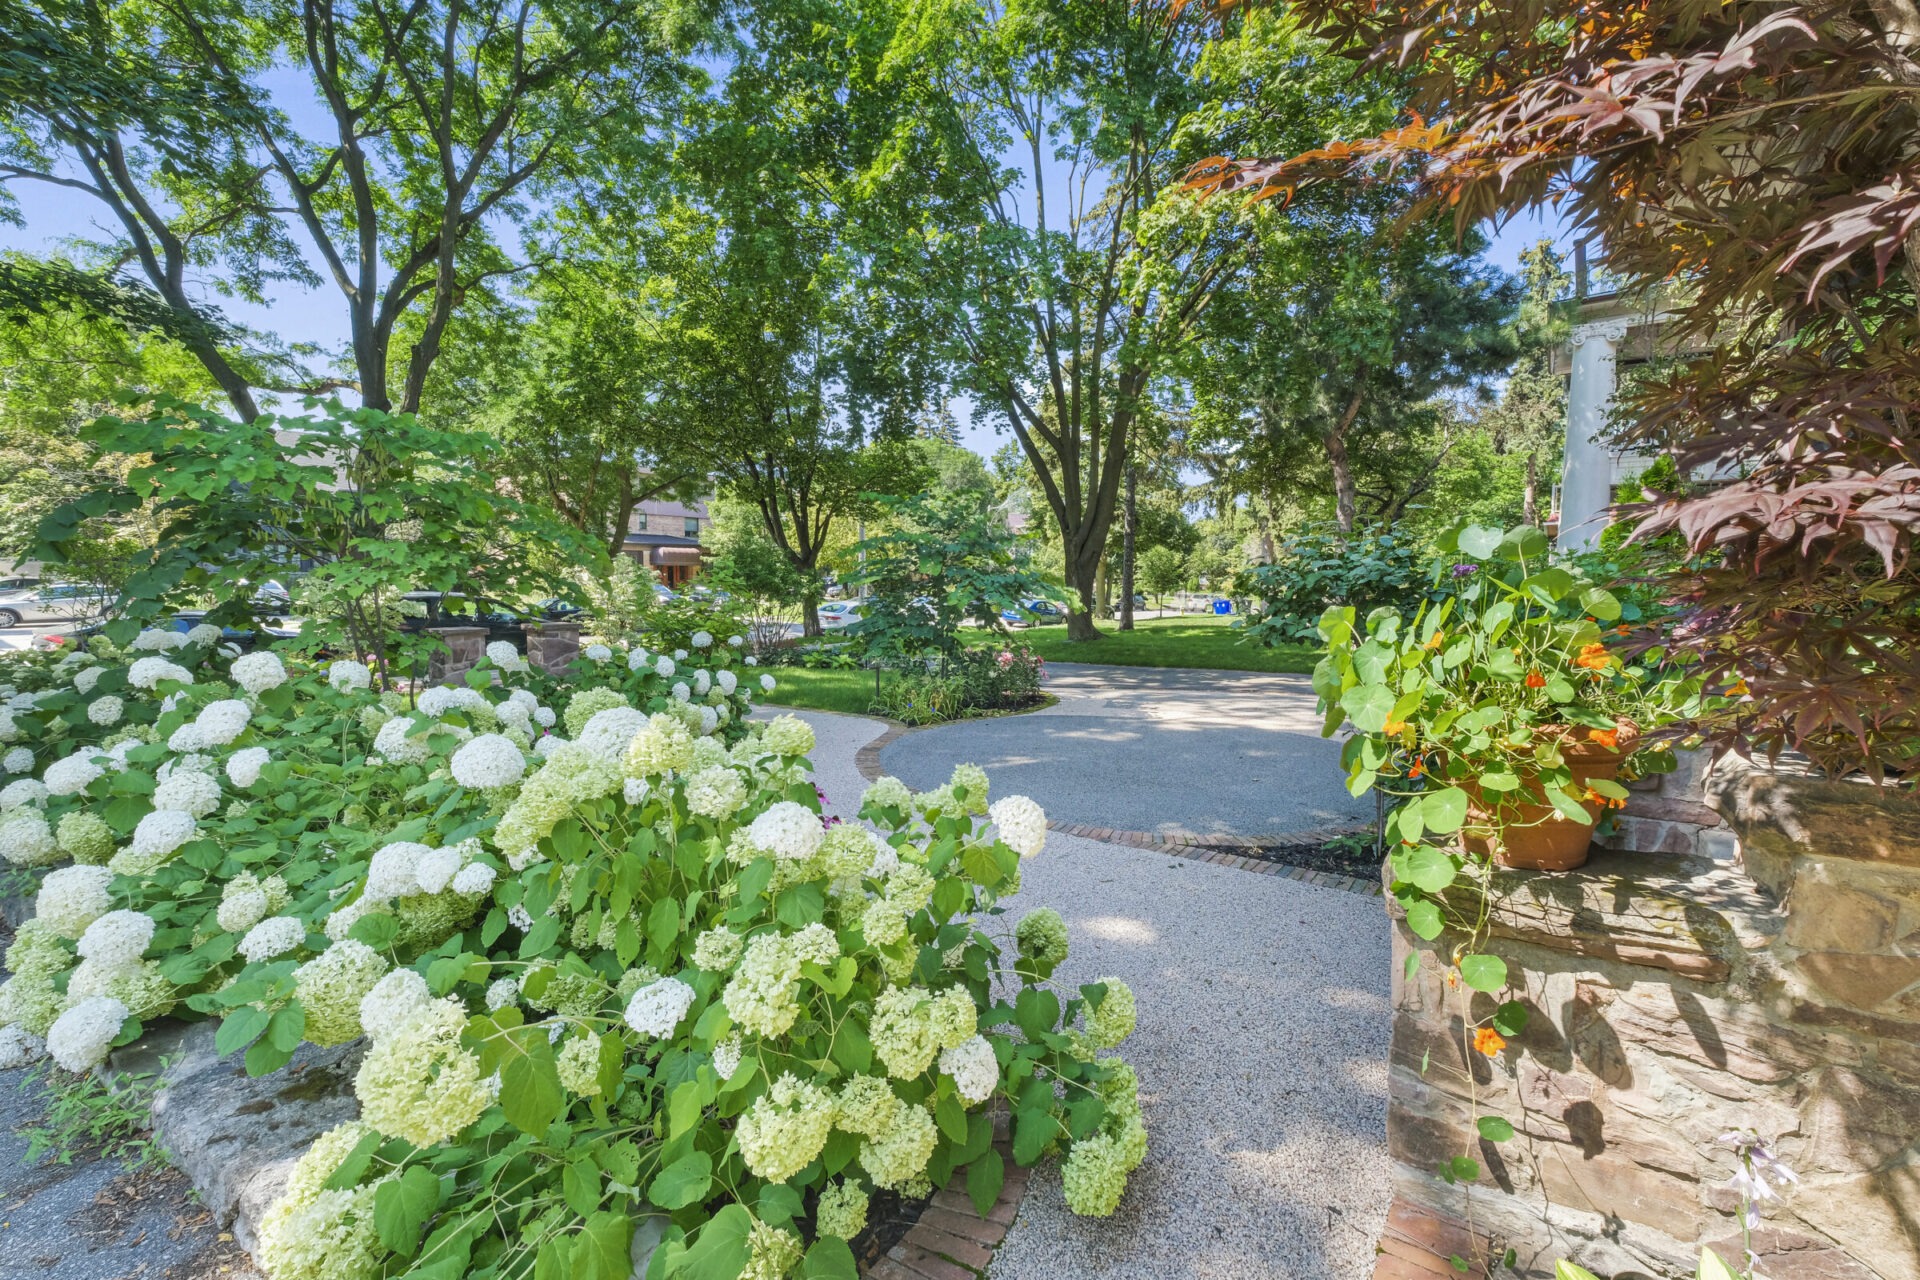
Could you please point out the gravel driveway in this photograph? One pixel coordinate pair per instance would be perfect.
(1171, 752)
(1261, 1047)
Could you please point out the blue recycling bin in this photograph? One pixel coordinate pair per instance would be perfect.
(1223, 606)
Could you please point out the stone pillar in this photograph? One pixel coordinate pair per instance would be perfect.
(465, 647)
(1673, 998)
(551, 646)
(1586, 482)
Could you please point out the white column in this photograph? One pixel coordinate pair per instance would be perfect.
(1586, 482)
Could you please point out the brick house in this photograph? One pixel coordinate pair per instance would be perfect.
(665, 536)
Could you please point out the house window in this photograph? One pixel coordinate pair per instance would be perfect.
(639, 522)
(693, 526)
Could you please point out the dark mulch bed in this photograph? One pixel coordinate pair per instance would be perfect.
(1348, 857)
(889, 1217)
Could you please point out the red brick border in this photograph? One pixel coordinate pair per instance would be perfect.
(1217, 850)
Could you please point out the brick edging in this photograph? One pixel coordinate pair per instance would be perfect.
(1216, 850)
(1418, 1244)
(951, 1241)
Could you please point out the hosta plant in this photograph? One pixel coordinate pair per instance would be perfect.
(625, 993)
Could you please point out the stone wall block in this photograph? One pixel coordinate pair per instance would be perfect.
(465, 646)
(1688, 781)
(552, 646)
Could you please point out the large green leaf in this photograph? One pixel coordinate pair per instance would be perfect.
(684, 1182)
(530, 1092)
(985, 1177)
(719, 1251)
(829, 1259)
(1483, 972)
(1368, 706)
(1430, 868)
(1444, 810)
(401, 1207)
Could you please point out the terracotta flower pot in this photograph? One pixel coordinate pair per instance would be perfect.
(1530, 834)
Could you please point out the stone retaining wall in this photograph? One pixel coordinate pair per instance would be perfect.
(1674, 997)
(465, 647)
(551, 646)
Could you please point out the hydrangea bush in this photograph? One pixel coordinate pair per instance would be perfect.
(624, 991)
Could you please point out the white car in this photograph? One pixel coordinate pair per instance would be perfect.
(836, 614)
(58, 602)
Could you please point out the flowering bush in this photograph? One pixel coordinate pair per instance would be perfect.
(612, 967)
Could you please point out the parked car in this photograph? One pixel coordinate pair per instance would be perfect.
(457, 609)
(244, 638)
(19, 582)
(835, 614)
(1032, 613)
(59, 602)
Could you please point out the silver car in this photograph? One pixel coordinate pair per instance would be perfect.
(55, 602)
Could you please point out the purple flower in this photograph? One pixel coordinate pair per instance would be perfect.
(1464, 570)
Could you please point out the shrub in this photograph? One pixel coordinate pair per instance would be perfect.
(1320, 568)
(921, 698)
(629, 969)
(999, 678)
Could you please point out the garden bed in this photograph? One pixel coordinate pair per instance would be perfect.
(1341, 856)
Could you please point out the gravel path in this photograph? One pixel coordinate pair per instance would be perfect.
(1261, 1048)
(1171, 752)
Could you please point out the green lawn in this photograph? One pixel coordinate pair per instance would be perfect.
(848, 691)
(1206, 641)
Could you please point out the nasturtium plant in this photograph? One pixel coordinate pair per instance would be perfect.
(626, 995)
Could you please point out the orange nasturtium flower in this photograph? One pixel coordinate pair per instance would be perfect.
(1417, 769)
(1738, 689)
(1594, 656)
(1438, 638)
(1396, 727)
(1535, 680)
(1608, 738)
(1489, 1041)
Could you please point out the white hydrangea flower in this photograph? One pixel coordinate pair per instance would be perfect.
(609, 733)
(767, 683)
(203, 633)
(544, 717)
(435, 868)
(163, 831)
(1022, 824)
(973, 1068)
(196, 793)
(393, 1002)
(258, 672)
(394, 743)
(598, 653)
(751, 661)
(886, 859)
(490, 760)
(727, 1055)
(517, 914)
(187, 739)
(20, 1048)
(503, 655)
(702, 681)
(635, 790)
(241, 909)
(274, 936)
(191, 762)
(441, 699)
(524, 697)
(18, 760)
(71, 776)
(679, 655)
(22, 792)
(243, 768)
(515, 714)
(106, 710)
(680, 691)
(709, 720)
(473, 879)
(349, 676)
(80, 1038)
(636, 659)
(787, 830)
(116, 941)
(72, 898)
(657, 1009)
(155, 641)
(25, 838)
(502, 993)
(221, 722)
(727, 681)
(702, 639)
(715, 793)
(87, 677)
(736, 641)
(391, 873)
(664, 666)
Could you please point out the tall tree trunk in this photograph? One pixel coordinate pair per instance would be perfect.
(1530, 503)
(1346, 500)
(1082, 579)
(1126, 557)
(810, 618)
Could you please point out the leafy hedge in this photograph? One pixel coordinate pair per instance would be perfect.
(619, 980)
